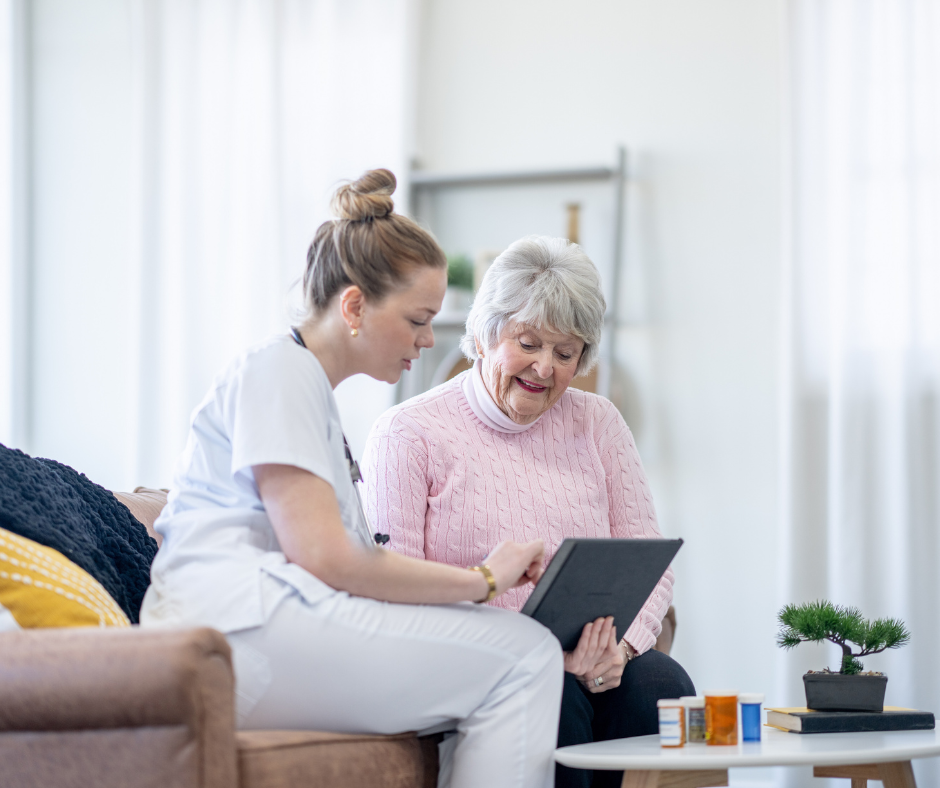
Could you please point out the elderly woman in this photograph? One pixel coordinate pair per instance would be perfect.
(508, 451)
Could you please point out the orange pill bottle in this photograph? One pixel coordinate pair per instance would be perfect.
(721, 717)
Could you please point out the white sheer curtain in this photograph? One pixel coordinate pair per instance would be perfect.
(6, 221)
(863, 419)
(247, 114)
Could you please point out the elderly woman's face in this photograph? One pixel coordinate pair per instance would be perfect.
(529, 370)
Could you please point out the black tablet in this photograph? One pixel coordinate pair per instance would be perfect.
(590, 578)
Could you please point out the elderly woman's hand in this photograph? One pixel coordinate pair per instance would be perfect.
(597, 655)
(514, 564)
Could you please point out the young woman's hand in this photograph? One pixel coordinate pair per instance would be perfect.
(598, 654)
(514, 564)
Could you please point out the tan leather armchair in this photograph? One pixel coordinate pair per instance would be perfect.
(116, 707)
(135, 708)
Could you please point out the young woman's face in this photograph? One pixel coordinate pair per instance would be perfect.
(529, 369)
(397, 328)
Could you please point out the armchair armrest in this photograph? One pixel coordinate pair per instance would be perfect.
(668, 634)
(92, 679)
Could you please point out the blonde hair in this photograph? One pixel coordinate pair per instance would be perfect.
(367, 245)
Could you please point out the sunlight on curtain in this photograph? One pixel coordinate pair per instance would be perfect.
(863, 518)
(247, 115)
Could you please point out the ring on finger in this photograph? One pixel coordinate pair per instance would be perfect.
(598, 681)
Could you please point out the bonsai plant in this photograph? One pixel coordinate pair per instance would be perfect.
(847, 689)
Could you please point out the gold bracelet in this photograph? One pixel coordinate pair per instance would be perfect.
(490, 581)
(631, 652)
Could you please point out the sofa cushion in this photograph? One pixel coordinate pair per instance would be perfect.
(56, 506)
(282, 759)
(40, 587)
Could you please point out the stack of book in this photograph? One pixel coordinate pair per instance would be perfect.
(893, 718)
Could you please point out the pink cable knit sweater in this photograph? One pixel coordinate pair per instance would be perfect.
(448, 487)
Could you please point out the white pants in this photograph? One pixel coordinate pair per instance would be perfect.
(355, 665)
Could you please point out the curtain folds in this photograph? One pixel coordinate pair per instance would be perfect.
(247, 114)
(862, 512)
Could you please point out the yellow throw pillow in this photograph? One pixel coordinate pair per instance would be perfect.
(42, 588)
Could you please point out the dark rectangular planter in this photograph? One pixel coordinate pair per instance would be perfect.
(835, 692)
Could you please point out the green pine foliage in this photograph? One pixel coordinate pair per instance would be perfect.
(822, 620)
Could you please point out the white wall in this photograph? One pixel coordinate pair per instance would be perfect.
(693, 88)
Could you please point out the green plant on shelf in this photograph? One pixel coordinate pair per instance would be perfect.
(460, 272)
(822, 620)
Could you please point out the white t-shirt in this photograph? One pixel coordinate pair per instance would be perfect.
(273, 404)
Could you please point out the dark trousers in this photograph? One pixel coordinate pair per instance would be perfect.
(627, 710)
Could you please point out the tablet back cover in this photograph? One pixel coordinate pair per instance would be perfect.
(590, 578)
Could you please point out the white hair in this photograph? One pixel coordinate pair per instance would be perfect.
(539, 281)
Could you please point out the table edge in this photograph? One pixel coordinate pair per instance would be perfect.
(742, 760)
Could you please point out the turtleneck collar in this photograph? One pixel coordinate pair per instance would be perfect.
(483, 406)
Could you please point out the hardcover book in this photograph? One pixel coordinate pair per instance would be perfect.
(893, 718)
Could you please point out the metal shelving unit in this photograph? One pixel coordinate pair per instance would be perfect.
(423, 183)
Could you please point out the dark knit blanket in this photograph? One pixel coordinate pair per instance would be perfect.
(55, 505)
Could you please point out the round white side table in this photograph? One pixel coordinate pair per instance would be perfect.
(884, 756)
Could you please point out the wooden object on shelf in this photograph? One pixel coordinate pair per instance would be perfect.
(574, 222)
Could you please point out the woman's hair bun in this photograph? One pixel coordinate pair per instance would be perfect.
(370, 197)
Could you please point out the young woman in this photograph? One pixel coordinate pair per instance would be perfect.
(265, 539)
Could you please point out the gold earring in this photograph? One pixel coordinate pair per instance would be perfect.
(354, 332)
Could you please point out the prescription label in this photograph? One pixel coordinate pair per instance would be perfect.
(671, 726)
